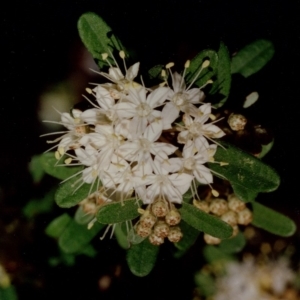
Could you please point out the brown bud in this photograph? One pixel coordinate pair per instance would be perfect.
(230, 217)
(202, 205)
(159, 208)
(235, 204)
(245, 216)
(173, 217)
(218, 206)
(175, 234)
(211, 240)
(155, 240)
(161, 229)
(143, 231)
(147, 219)
(237, 122)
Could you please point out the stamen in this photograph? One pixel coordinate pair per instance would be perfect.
(205, 64)
(68, 161)
(104, 56)
(215, 193)
(122, 54)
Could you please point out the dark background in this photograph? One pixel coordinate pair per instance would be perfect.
(40, 43)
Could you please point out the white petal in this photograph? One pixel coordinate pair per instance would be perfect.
(132, 71)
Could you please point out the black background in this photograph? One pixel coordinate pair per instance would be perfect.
(39, 38)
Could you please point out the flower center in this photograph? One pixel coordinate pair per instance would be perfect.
(189, 163)
(180, 98)
(196, 129)
(143, 110)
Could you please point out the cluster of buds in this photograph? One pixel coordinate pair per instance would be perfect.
(232, 211)
(159, 221)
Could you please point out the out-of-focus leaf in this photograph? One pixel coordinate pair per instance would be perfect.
(213, 254)
(35, 168)
(205, 222)
(155, 71)
(39, 206)
(232, 245)
(252, 58)
(98, 37)
(195, 65)
(190, 235)
(272, 221)
(121, 236)
(58, 225)
(75, 237)
(205, 284)
(141, 258)
(8, 293)
(223, 81)
(247, 174)
(118, 212)
(51, 166)
(65, 195)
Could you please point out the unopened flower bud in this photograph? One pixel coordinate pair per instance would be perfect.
(211, 240)
(230, 217)
(143, 231)
(245, 216)
(175, 234)
(237, 122)
(147, 219)
(155, 240)
(218, 207)
(173, 217)
(161, 229)
(159, 208)
(202, 205)
(235, 230)
(235, 204)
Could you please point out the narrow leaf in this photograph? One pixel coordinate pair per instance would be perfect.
(247, 174)
(36, 169)
(205, 283)
(272, 221)
(65, 195)
(141, 258)
(223, 81)
(118, 212)
(252, 58)
(58, 225)
(201, 78)
(190, 235)
(205, 222)
(266, 149)
(50, 165)
(98, 37)
(121, 237)
(75, 237)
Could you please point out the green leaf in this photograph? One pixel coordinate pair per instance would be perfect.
(36, 169)
(65, 195)
(205, 283)
(89, 251)
(272, 221)
(8, 293)
(213, 254)
(81, 217)
(141, 258)
(98, 37)
(223, 81)
(58, 225)
(134, 238)
(75, 237)
(118, 212)
(205, 222)
(190, 235)
(232, 245)
(247, 174)
(155, 71)
(252, 58)
(266, 149)
(39, 206)
(50, 166)
(195, 66)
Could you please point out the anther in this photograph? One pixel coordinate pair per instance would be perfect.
(205, 64)
(187, 64)
(88, 90)
(104, 56)
(215, 193)
(169, 65)
(57, 155)
(122, 54)
(68, 161)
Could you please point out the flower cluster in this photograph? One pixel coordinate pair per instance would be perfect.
(148, 143)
